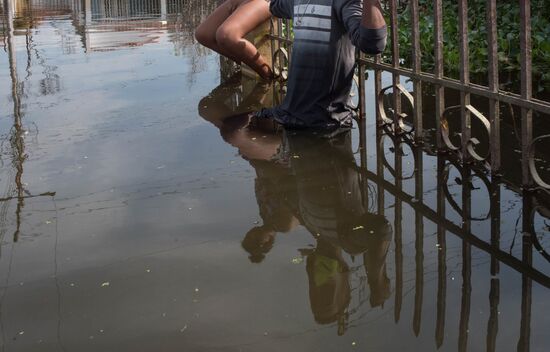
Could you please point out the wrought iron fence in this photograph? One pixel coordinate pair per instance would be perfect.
(466, 150)
(404, 130)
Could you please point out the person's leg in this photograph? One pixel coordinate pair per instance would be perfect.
(230, 35)
(206, 31)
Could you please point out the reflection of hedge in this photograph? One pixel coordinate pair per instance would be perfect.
(508, 18)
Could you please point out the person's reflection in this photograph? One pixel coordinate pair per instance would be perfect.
(312, 180)
(229, 110)
(330, 206)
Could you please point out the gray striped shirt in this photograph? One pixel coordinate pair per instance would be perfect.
(322, 63)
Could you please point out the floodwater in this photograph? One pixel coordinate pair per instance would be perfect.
(136, 216)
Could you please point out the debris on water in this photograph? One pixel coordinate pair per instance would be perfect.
(161, 167)
(189, 208)
(163, 315)
(296, 156)
(105, 284)
(101, 330)
(48, 222)
(21, 332)
(253, 138)
(71, 284)
(297, 260)
(265, 333)
(148, 270)
(184, 328)
(196, 289)
(360, 227)
(353, 343)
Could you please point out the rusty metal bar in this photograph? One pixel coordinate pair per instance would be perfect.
(419, 241)
(494, 108)
(466, 262)
(439, 70)
(361, 88)
(464, 51)
(377, 89)
(398, 209)
(494, 293)
(380, 171)
(441, 257)
(526, 282)
(526, 89)
(395, 63)
(417, 68)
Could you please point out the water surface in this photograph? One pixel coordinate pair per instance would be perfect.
(135, 216)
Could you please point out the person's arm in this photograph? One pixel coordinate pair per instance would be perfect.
(365, 24)
(281, 8)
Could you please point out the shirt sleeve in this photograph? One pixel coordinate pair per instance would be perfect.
(368, 40)
(281, 8)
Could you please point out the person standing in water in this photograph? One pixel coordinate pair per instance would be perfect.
(224, 31)
(322, 65)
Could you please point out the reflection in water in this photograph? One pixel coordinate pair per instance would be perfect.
(16, 190)
(462, 277)
(313, 180)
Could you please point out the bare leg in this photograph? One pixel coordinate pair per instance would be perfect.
(206, 31)
(224, 30)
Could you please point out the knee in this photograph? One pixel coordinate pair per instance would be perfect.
(226, 37)
(204, 36)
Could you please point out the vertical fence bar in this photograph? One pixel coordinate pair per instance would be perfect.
(419, 242)
(441, 257)
(439, 70)
(377, 89)
(398, 230)
(395, 64)
(464, 75)
(494, 107)
(361, 86)
(417, 68)
(494, 293)
(526, 283)
(466, 263)
(526, 89)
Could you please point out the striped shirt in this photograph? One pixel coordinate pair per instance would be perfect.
(322, 62)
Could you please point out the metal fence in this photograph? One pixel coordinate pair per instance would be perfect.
(395, 120)
(408, 132)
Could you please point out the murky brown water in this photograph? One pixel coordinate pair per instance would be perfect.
(135, 216)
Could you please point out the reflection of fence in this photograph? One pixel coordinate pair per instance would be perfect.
(465, 158)
(530, 242)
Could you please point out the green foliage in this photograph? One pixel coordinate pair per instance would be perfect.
(508, 24)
